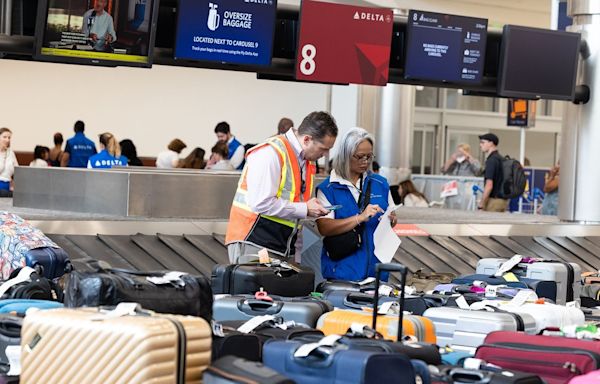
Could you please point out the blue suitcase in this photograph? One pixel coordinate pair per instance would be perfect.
(542, 288)
(50, 262)
(331, 365)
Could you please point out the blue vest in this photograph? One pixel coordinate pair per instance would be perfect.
(360, 264)
(79, 148)
(233, 146)
(106, 160)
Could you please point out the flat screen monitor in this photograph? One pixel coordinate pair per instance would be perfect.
(226, 31)
(344, 43)
(96, 32)
(445, 48)
(538, 63)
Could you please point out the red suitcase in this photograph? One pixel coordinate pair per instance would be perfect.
(555, 359)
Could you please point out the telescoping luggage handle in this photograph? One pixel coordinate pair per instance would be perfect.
(390, 267)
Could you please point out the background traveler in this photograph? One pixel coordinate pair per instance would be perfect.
(493, 175)
(109, 155)
(56, 152)
(78, 149)
(218, 158)
(410, 195)
(40, 157)
(129, 150)
(8, 160)
(170, 157)
(461, 163)
(194, 160)
(235, 149)
(550, 203)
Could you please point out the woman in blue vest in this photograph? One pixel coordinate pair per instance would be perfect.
(110, 154)
(363, 197)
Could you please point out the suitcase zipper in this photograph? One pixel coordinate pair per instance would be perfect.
(572, 367)
(542, 348)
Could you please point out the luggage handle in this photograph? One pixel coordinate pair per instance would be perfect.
(549, 329)
(10, 326)
(357, 300)
(253, 307)
(390, 267)
(473, 376)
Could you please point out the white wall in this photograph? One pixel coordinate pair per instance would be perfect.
(148, 106)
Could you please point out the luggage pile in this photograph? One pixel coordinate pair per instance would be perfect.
(512, 321)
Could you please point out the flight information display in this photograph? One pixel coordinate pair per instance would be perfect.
(446, 48)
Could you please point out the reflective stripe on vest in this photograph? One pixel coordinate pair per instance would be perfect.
(242, 218)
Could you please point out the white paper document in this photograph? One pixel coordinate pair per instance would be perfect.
(386, 240)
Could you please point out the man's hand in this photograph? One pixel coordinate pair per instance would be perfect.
(94, 37)
(315, 208)
(109, 38)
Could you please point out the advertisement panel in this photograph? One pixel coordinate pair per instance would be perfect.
(344, 43)
(227, 31)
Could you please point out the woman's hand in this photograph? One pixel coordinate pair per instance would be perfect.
(370, 211)
(393, 219)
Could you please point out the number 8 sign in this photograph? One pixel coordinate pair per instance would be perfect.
(308, 65)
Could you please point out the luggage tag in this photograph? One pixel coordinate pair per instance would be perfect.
(492, 290)
(508, 265)
(122, 309)
(522, 297)
(217, 329)
(389, 308)
(366, 281)
(13, 353)
(254, 323)
(306, 349)
(168, 278)
(263, 295)
(461, 302)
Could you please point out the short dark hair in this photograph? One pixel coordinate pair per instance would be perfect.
(79, 126)
(222, 127)
(318, 125)
(221, 149)
(38, 152)
(58, 138)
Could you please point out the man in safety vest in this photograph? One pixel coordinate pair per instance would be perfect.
(274, 191)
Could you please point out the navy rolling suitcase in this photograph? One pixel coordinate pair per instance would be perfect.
(51, 262)
(542, 288)
(235, 370)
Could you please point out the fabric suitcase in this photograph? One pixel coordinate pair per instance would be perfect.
(240, 279)
(542, 288)
(235, 370)
(458, 375)
(555, 359)
(88, 346)
(161, 291)
(302, 310)
(566, 275)
(464, 329)
(331, 365)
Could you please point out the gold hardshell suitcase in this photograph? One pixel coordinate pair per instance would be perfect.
(89, 346)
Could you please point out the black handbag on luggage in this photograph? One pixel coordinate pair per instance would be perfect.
(35, 287)
(235, 370)
(161, 291)
(282, 279)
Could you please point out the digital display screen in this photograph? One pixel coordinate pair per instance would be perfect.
(342, 43)
(227, 31)
(445, 48)
(105, 32)
(538, 63)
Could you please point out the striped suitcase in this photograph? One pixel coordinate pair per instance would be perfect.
(88, 346)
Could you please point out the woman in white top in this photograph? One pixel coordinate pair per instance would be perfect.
(40, 157)
(8, 160)
(218, 160)
(170, 157)
(410, 196)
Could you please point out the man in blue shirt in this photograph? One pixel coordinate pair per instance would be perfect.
(236, 149)
(78, 149)
(99, 27)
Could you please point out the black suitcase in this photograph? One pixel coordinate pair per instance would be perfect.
(181, 295)
(228, 341)
(284, 279)
(458, 375)
(235, 370)
(10, 335)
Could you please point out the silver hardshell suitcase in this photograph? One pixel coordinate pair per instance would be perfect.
(566, 275)
(466, 329)
(302, 310)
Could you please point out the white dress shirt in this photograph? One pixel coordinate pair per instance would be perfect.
(238, 155)
(8, 161)
(263, 178)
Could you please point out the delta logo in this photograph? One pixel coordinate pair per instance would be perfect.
(266, 2)
(368, 16)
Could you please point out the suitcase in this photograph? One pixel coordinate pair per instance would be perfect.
(51, 262)
(20, 306)
(241, 279)
(416, 305)
(458, 375)
(566, 275)
(302, 310)
(555, 359)
(542, 288)
(228, 341)
(332, 365)
(10, 337)
(161, 291)
(88, 346)
(235, 370)
(590, 378)
(464, 329)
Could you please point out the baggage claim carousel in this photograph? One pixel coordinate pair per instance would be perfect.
(149, 219)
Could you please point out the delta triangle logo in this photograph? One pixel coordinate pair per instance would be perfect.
(356, 16)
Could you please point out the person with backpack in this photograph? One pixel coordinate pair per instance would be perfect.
(492, 200)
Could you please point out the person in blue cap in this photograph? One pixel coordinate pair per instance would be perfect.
(110, 154)
(78, 149)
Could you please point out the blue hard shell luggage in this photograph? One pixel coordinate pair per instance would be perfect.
(542, 288)
(331, 365)
(51, 262)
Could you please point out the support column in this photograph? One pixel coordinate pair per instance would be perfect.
(393, 135)
(579, 184)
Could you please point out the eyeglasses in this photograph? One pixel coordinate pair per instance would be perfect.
(364, 158)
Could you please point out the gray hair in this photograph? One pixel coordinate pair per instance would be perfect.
(347, 147)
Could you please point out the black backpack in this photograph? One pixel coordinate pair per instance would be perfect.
(513, 178)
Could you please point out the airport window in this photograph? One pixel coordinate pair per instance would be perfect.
(426, 97)
(423, 150)
(456, 100)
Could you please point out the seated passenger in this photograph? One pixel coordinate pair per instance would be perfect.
(218, 160)
(170, 157)
(130, 152)
(410, 196)
(362, 196)
(194, 160)
(110, 154)
(40, 157)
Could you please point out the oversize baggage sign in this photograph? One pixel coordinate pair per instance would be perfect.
(344, 43)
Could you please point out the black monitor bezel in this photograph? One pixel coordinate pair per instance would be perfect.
(40, 30)
(502, 69)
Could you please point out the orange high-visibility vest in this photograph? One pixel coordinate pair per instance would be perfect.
(275, 234)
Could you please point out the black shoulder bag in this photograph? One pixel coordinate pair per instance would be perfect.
(343, 245)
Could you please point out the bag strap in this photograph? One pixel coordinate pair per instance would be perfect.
(365, 196)
(23, 275)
